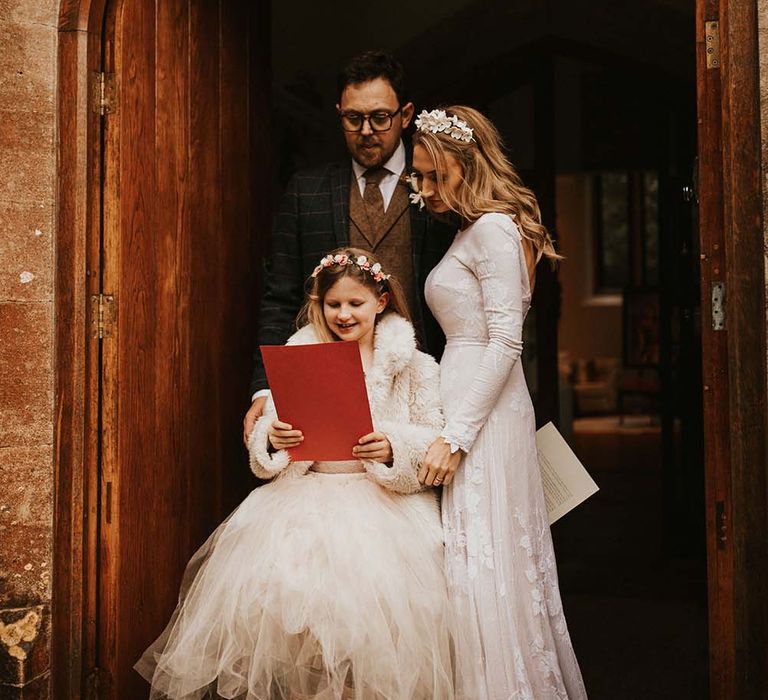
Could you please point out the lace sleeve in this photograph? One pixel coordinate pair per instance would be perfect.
(495, 258)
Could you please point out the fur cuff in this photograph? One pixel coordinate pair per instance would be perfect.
(409, 447)
(264, 464)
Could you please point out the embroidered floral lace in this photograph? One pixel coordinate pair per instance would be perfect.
(499, 557)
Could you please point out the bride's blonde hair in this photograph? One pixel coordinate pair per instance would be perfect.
(490, 182)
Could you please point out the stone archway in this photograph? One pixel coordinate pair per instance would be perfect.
(30, 304)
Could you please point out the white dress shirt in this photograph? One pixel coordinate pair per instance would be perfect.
(395, 166)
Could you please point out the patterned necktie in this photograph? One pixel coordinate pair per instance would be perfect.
(374, 201)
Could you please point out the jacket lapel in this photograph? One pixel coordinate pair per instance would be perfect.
(393, 346)
(359, 217)
(372, 230)
(419, 218)
(397, 207)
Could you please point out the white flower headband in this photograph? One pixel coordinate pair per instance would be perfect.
(438, 122)
(361, 261)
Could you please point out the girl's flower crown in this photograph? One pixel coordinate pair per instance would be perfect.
(361, 261)
(438, 122)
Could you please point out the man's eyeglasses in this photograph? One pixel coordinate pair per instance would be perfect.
(379, 121)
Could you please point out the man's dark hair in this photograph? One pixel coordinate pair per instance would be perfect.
(369, 65)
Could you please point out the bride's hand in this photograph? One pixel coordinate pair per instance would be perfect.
(282, 435)
(439, 466)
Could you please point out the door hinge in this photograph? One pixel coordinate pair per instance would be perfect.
(104, 92)
(103, 315)
(721, 531)
(712, 43)
(718, 306)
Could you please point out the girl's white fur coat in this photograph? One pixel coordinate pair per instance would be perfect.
(404, 392)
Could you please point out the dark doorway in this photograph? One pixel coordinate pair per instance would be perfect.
(597, 107)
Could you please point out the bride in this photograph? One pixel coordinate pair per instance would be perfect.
(499, 557)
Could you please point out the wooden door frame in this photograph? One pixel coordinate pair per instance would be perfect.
(734, 359)
(735, 371)
(83, 46)
(79, 59)
(746, 322)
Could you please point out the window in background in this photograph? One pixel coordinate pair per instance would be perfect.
(626, 230)
(651, 233)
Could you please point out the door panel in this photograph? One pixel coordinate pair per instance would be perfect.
(714, 366)
(178, 242)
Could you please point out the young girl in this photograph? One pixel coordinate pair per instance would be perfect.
(327, 582)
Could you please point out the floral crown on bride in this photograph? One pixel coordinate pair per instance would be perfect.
(438, 122)
(361, 261)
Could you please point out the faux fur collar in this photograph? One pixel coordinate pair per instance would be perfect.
(393, 345)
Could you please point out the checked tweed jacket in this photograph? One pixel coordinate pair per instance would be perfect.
(312, 220)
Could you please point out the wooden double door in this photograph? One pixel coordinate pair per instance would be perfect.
(178, 202)
(182, 214)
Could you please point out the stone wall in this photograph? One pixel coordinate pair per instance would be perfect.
(27, 205)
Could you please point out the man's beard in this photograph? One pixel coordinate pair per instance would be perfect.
(371, 158)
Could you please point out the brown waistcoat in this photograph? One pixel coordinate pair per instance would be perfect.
(389, 239)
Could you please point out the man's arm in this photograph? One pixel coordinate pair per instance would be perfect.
(283, 285)
(282, 297)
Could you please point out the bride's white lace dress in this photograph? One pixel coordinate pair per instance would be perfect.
(500, 561)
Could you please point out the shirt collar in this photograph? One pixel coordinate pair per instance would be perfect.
(395, 164)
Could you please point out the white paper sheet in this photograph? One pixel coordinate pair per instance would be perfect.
(566, 482)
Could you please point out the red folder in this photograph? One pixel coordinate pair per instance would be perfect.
(320, 390)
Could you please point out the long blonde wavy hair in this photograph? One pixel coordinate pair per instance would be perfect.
(490, 182)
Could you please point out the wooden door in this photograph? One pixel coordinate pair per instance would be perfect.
(714, 362)
(734, 345)
(182, 212)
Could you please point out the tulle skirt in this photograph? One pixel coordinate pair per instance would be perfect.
(321, 586)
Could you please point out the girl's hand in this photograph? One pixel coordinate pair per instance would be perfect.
(439, 465)
(282, 436)
(374, 446)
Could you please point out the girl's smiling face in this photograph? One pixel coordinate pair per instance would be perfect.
(426, 171)
(350, 309)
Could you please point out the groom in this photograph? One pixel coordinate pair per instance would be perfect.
(361, 203)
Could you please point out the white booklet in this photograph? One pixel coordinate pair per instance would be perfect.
(566, 482)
